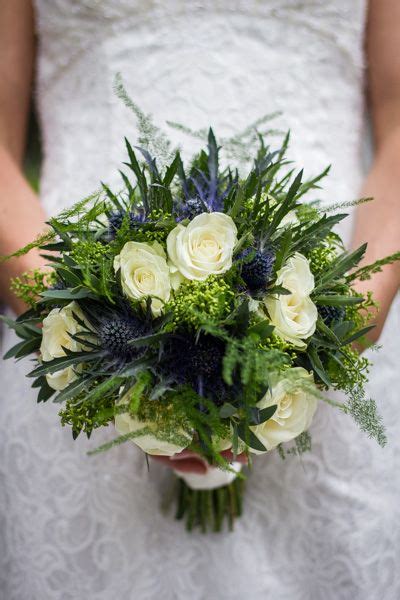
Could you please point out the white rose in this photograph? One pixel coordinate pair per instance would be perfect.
(125, 423)
(57, 326)
(204, 247)
(294, 315)
(144, 273)
(296, 406)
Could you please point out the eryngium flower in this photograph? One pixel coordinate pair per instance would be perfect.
(257, 271)
(198, 364)
(329, 314)
(116, 333)
(116, 219)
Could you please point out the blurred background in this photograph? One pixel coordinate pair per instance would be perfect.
(33, 151)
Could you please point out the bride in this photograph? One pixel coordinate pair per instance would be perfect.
(73, 527)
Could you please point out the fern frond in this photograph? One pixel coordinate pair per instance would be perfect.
(151, 137)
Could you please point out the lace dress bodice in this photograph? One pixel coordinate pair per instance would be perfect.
(323, 527)
(215, 63)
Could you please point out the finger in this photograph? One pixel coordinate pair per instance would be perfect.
(240, 458)
(188, 465)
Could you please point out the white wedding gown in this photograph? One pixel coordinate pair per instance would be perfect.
(324, 527)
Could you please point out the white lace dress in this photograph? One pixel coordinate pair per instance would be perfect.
(325, 527)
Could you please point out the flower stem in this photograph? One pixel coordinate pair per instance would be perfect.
(209, 509)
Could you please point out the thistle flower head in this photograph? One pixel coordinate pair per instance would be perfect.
(116, 219)
(197, 363)
(116, 333)
(257, 267)
(329, 314)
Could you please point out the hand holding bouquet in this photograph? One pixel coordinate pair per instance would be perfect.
(199, 310)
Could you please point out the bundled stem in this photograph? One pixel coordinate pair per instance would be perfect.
(209, 509)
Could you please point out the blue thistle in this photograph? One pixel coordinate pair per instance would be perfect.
(188, 361)
(205, 189)
(116, 333)
(116, 218)
(257, 271)
(192, 208)
(58, 285)
(329, 314)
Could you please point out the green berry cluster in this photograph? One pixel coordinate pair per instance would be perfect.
(353, 373)
(86, 416)
(307, 213)
(321, 257)
(277, 343)
(31, 284)
(199, 302)
(89, 253)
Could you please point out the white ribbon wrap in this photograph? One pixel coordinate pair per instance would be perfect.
(214, 478)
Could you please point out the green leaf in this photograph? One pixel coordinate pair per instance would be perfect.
(238, 203)
(148, 340)
(263, 329)
(344, 263)
(105, 387)
(73, 389)
(286, 206)
(365, 272)
(278, 290)
(357, 335)
(45, 392)
(28, 347)
(329, 333)
(249, 438)
(242, 318)
(52, 366)
(68, 294)
(128, 185)
(337, 300)
(285, 242)
(112, 196)
(171, 170)
(343, 328)
(309, 237)
(318, 366)
(17, 349)
(21, 329)
(70, 278)
(259, 416)
(141, 179)
(235, 438)
(227, 410)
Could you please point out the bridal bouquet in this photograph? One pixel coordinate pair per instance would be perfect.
(195, 309)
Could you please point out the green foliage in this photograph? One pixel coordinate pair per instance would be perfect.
(150, 137)
(198, 302)
(307, 213)
(80, 247)
(31, 284)
(367, 271)
(83, 415)
(210, 509)
(207, 424)
(323, 256)
(302, 444)
(364, 412)
(350, 371)
(89, 253)
(45, 237)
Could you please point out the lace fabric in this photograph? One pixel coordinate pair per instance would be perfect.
(74, 527)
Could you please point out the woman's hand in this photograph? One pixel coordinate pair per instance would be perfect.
(378, 222)
(190, 462)
(21, 215)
